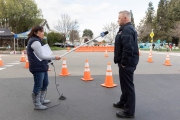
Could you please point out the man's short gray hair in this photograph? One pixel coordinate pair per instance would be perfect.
(126, 14)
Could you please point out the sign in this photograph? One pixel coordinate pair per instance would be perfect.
(152, 35)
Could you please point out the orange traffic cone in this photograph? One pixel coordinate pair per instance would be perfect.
(150, 58)
(109, 79)
(167, 62)
(22, 58)
(106, 54)
(87, 74)
(64, 71)
(68, 49)
(27, 63)
(1, 62)
(140, 52)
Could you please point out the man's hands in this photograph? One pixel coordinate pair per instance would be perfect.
(57, 57)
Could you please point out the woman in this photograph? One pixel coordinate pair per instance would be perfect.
(38, 68)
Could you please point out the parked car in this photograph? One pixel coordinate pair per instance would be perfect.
(58, 44)
(110, 44)
(69, 45)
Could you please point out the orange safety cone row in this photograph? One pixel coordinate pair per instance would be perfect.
(1, 62)
(22, 58)
(106, 54)
(64, 71)
(109, 78)
(27, 63)
(150, 58)
(87, 74)
(167, 62)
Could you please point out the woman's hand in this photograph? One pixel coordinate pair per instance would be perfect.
(57, 57)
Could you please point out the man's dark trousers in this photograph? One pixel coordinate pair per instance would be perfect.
(127, 87)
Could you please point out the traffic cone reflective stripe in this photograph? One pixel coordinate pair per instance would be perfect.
(87, 74)
(1, 62)
(167, 62)
(109, 78)
(64, 71)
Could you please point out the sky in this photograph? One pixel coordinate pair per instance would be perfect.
(92, 14)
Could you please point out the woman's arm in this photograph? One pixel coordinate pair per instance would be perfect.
(36, 46)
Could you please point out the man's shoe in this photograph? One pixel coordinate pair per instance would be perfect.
(118, 105)
(123, 115)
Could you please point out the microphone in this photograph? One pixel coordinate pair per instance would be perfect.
(104, 33)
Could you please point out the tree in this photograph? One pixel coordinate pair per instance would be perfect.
(143, 29)
(55, 37)
(87, 33)
(112, 28)
(19, 15)
(74, 35)
(66, 25)
(132, 18)
(162, 22)
(175, 31)
(150, 14)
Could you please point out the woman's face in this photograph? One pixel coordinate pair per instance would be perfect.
(40, 34)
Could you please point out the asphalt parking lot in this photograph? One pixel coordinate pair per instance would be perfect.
(157, 89)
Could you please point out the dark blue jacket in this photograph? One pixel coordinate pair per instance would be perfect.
(126, 47)
(34, 64)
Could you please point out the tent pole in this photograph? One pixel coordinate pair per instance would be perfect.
(14, 46)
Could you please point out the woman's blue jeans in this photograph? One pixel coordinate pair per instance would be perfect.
(40, 82)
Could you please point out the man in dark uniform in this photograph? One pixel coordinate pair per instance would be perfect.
(127, 57)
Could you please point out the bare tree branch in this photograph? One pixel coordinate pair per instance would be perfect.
(143, 29)
(175, 32)
(66, 25)
(112, 28)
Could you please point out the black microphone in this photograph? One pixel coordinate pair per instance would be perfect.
(104, 33)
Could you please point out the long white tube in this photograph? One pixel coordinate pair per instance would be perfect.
(75, 48)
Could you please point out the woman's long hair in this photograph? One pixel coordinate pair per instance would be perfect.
(34, 31)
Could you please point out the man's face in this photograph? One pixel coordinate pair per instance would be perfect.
(121, 19)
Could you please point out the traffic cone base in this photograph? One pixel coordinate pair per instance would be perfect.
(87, 76)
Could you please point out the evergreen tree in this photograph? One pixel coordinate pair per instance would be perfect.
(132, 18)
(150, 14)
(162, 21)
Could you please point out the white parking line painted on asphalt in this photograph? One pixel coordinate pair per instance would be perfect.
(9, 65)
(2, 68)
(13, 63)
(17, 61)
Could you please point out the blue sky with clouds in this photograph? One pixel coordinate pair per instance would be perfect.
(92, 14)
